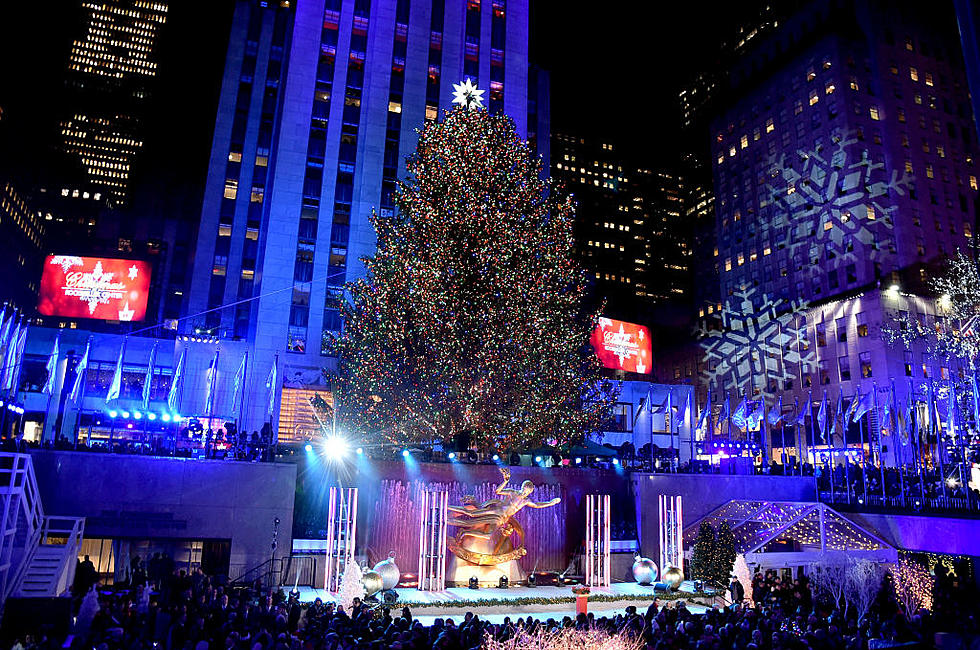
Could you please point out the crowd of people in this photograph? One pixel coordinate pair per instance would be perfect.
(170, 609)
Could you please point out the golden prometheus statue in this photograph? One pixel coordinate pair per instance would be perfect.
(484, 544)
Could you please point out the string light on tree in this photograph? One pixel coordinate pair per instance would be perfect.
(469, 324)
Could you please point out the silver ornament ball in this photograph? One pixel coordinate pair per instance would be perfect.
(390, 574)
(372, 582)
(673, 577)
(644, 571)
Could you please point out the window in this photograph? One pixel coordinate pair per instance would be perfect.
(874, 112)
(929, 79)
(862, 328)
(744, 141)
(821, 335)
(844, 368)
(908, 363)
(865, 359)
(824, 372)
(913, 74)
(235, 156)
(901, 115)
(841, 324)
(770, 127)
(814, 97)
(231, 188)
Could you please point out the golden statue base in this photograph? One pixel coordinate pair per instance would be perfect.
(461, 570)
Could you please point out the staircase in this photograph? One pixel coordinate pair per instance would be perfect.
(38, 553)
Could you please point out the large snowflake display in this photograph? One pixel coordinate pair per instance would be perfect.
(761, 343)
(833, 202)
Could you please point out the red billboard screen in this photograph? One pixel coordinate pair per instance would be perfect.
(94, 287)
(622, 346)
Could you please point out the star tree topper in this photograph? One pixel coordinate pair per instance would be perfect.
(467, 95)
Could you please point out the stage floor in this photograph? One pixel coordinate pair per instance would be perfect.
(456, 601)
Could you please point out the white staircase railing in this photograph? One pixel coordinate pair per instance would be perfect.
(24, 529)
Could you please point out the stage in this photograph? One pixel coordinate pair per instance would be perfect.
(494, 604)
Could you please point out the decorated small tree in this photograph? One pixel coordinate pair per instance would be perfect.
(350, 586)
(744, 575)
(912, 584)
(829, 578)
(724, 557)
(469, 323)
(702, 553)
(862, 585)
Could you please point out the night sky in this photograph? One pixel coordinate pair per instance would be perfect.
(616, 70)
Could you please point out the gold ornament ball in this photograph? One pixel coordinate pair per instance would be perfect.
(373, 583)
(673, 577)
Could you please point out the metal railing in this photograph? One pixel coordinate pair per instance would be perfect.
(279, 572)
(906, 502)
(67, 533)
(20, 497)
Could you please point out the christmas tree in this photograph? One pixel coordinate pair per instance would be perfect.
(702, 553)
(468, 324)
(723, 559)
(350, 586)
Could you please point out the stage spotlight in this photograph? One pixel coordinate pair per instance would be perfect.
(537, 459)
(503, 582)
(531, 580)
(474, 582)
(165, 417)
(137, 415)
(496, 457)
(113, 414)
(308, 447)
(615, 461)
(335, 447)
(452, 455)
(125, 414)
(176, 417)
(406, 453)
(360, 451)
(578, 461)
(151, 416)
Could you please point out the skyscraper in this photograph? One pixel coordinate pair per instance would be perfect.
(108, 72)
(319, 106)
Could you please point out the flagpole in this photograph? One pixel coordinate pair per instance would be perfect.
(900, 460)
(47, 409)
(936, 427)
(881, 460)
(917, 442)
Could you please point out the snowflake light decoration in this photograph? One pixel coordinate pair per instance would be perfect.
(758, 340)
(833, 201)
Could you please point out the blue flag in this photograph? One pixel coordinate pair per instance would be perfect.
(52, 366)
(739, 417)
(864, 405)
(776, 412)
(116, 386)
(822, 417)
(173, 395)
(80, 371)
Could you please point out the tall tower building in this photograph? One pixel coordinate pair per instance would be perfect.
(319, 107)
(108, 74)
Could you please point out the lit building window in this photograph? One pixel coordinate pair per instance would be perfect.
(231, 188)
(913, 74)
(874, 113)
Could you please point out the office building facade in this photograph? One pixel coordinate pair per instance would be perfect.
(319, 107)
(844, 175)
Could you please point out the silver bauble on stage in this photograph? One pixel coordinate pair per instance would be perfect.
(372, 582)
(390, 574)
(644, 570)
(673, 577)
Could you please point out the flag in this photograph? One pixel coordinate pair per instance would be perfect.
(801, 413)
(864, 405)
(756, 414)
(852, 408)
(776, 412)
(909, 427)
(174, 393)
(239, 381)
(18, 357)
(976, 398)
(738, 417)
(80, 371)
(148, 380)
(726, 409)
(703, 417)
(951, 412)
(52, 366)
(5, 336)
(270, 385)
(116, 384)
(669, 410)
(687, 406)
(839, 415)
(211, 377)
(9, 357)
(822, 417)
